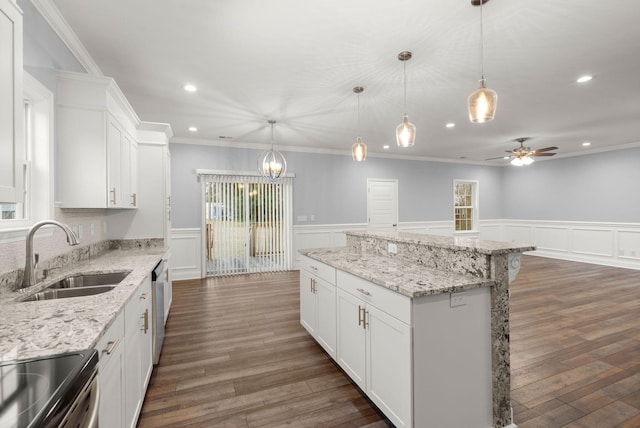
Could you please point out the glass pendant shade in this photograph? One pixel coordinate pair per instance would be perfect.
(516, 162)
(406, 133)
(359, 150)
(527, 160)
(482, 104)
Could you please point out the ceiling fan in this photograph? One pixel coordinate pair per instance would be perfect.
(524, 155)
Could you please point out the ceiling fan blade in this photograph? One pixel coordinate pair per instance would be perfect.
(542, 154)
(546, 149)
(499, 157)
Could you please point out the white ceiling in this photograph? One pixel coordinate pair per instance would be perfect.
(297, 61)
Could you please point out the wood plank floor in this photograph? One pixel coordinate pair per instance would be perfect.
(235, 354)
(575, 345)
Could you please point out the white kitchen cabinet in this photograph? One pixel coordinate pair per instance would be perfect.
(111, 375)
(318, 303)
(138, 361)
(96, 150)
(374, 347)
(11, 104)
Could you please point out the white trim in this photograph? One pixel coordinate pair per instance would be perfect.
(185, 254)
(54, 18)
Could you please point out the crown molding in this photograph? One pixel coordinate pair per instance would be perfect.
(54, 18)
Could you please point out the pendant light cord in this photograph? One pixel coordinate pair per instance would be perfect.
(481, 41)
(404, 63)
(359, 135)
(272, 136)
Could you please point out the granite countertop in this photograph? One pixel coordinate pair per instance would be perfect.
(49, 327)
(457, 243)
(406, 278)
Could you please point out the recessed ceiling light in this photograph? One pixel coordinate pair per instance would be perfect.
(193, 129)
(190, 88)
(584, 79)
(586, 144)
(386, 147)
(450, 125)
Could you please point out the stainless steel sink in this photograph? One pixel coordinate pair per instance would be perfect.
(80, 285)
(89, 280)
(68, 292)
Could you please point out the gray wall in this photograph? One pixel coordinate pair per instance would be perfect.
(600, 187)
(333, 187)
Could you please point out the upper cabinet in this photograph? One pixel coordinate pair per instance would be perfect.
(97, 153)
(11, 107)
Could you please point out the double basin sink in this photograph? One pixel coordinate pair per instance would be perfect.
(79, 285)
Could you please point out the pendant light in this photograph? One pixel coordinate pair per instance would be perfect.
(359, 149)
(271, 164)
(406, 131)
(483, 102)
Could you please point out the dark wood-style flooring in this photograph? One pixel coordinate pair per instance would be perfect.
(235, 354)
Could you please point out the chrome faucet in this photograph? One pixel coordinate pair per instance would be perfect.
(29, 266)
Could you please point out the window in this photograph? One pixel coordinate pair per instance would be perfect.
(37, 161)
(465, 205)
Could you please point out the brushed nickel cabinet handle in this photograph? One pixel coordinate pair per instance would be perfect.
(360, 312)
(363, 291)
(134, 199)
(313, 267)
(111, 346)
(364, 318)
(113, 192)
(145, 317)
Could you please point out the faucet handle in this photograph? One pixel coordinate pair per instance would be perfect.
(36, 257)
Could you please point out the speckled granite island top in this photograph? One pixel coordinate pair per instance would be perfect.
(49, 327)
(406, 278)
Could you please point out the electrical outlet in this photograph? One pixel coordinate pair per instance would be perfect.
(457, 299)
(393, 248)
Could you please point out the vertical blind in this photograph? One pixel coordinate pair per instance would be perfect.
(248, 224)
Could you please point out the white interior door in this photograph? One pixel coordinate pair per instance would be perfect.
(382, 204)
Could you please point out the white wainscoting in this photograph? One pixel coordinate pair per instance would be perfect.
(610, 244)
(186, 254)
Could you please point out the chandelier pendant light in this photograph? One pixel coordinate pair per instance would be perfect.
(271, 164)
(359, 148)
(406, 131)
(483, 102)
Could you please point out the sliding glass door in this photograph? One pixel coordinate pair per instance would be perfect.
(247, 224)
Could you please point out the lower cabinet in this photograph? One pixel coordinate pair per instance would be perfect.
(111, 375)
(318, 304)
(138, 363)
(125, 362)
(374, 349)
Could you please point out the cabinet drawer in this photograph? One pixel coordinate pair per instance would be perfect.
(318, 269)
(110, 341)
(388, 301)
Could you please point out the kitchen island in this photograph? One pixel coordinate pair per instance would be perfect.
(431, 343)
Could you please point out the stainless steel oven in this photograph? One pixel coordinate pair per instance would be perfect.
(59, 391)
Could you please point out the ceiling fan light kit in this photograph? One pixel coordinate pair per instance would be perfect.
(483, 102)
(406, 131)
(359, 148)
(271, 164)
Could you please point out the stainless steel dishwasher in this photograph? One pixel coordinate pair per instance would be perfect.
(158, 277)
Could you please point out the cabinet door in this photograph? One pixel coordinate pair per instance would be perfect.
(307, 303)
(11, 107)
(326, 316)
(133, 375)
(389, 374)
(351, 338)
(114, 149)
(146, 334)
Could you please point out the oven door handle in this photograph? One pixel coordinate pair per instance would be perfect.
(95, 404)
